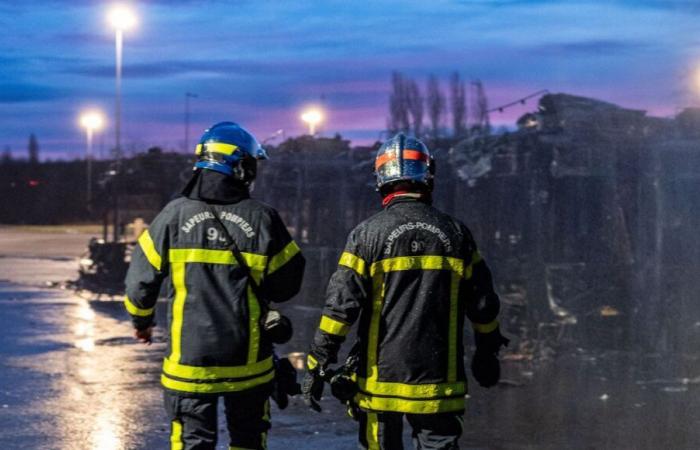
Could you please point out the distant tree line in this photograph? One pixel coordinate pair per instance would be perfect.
(408, 107)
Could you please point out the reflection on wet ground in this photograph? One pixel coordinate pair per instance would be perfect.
(73, 378)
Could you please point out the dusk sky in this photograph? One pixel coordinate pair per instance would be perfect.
(260, 62)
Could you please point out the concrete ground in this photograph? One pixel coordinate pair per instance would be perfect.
(72, 377)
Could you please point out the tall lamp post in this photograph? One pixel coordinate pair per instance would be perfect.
(312, 117)
(92, 121)
(121, 18)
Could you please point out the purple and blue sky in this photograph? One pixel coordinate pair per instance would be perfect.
(260, 62)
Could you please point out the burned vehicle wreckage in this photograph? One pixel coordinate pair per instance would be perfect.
(583, 211)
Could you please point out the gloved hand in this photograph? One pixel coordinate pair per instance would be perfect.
(312, 384)
(486, 369)
(485, 365)
(285, 382)
(145, 336)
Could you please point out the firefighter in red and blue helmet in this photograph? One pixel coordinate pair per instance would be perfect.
(216, 347)
(408, 276)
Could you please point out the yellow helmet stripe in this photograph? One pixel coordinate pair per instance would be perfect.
(216, 147)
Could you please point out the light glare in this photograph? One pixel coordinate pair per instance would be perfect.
(122, 18)
(92, 120)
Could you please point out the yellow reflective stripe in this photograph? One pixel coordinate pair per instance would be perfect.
(266, 417)
(256, 263)
(201, 255)
(283, 257)
(311, 362)
(215, 388)
(476, 257)
(332, 326)
(219, 147)
(253, 327)
(373, 338)
(198, 149)
(215, 372)
(135, 310)
(372, 431)
(411, 391)
(176, 435)
(353, 262)
(485, 327)
(428, 262)
(452, 337)
(410, 406)
(178, 276)
(149, 249)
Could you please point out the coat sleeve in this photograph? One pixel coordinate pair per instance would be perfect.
(482, 302)
(148, 269)
(348, 291)
(285, 266)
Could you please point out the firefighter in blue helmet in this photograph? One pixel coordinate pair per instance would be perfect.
(216, 244)
(408, 276)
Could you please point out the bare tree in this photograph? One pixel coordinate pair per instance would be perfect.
(33, 149)
(480, 123)
(436, 106)
(6, 157)
(414, 100)
(458, 102)
(398, 106)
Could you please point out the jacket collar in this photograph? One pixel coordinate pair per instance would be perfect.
(214, 187)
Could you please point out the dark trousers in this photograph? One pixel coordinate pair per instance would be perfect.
(194, 420)
(383, 430)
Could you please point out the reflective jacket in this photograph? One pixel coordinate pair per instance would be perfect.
(215, 343)
(410, 274)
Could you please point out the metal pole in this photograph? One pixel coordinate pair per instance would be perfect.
(88, 160)
(118, 98)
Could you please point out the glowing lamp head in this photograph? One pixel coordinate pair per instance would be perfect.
(312, 116)
(122, 18)
(92, 120)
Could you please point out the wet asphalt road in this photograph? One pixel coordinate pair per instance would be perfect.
(71, 377)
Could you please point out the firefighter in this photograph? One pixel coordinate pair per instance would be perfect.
(409, 274)
(217, 346)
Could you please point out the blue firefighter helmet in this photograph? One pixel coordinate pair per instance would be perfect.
(224, 146)
(403, 159)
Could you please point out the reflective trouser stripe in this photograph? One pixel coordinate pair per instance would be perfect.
(176, 435)
(266, 417)
(410, 406)
(372, 431)
(452, 336)
(216, 387)
(203, 373)
(253, 327)
(178, 276)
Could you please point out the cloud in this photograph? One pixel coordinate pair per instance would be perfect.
(27, 92)
(598, 47)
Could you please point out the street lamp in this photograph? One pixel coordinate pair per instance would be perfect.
(120, 18)
(92, 121)
(312, 117)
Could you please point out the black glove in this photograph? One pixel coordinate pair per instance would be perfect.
(312, 387)
(285, 382)
(486, 369)
(485, 365)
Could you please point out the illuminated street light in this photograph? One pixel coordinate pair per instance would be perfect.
(92, 121)
(312, 117)
(120, 18)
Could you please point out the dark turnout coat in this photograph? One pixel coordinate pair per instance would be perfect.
(409, 274)
(215, 343)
